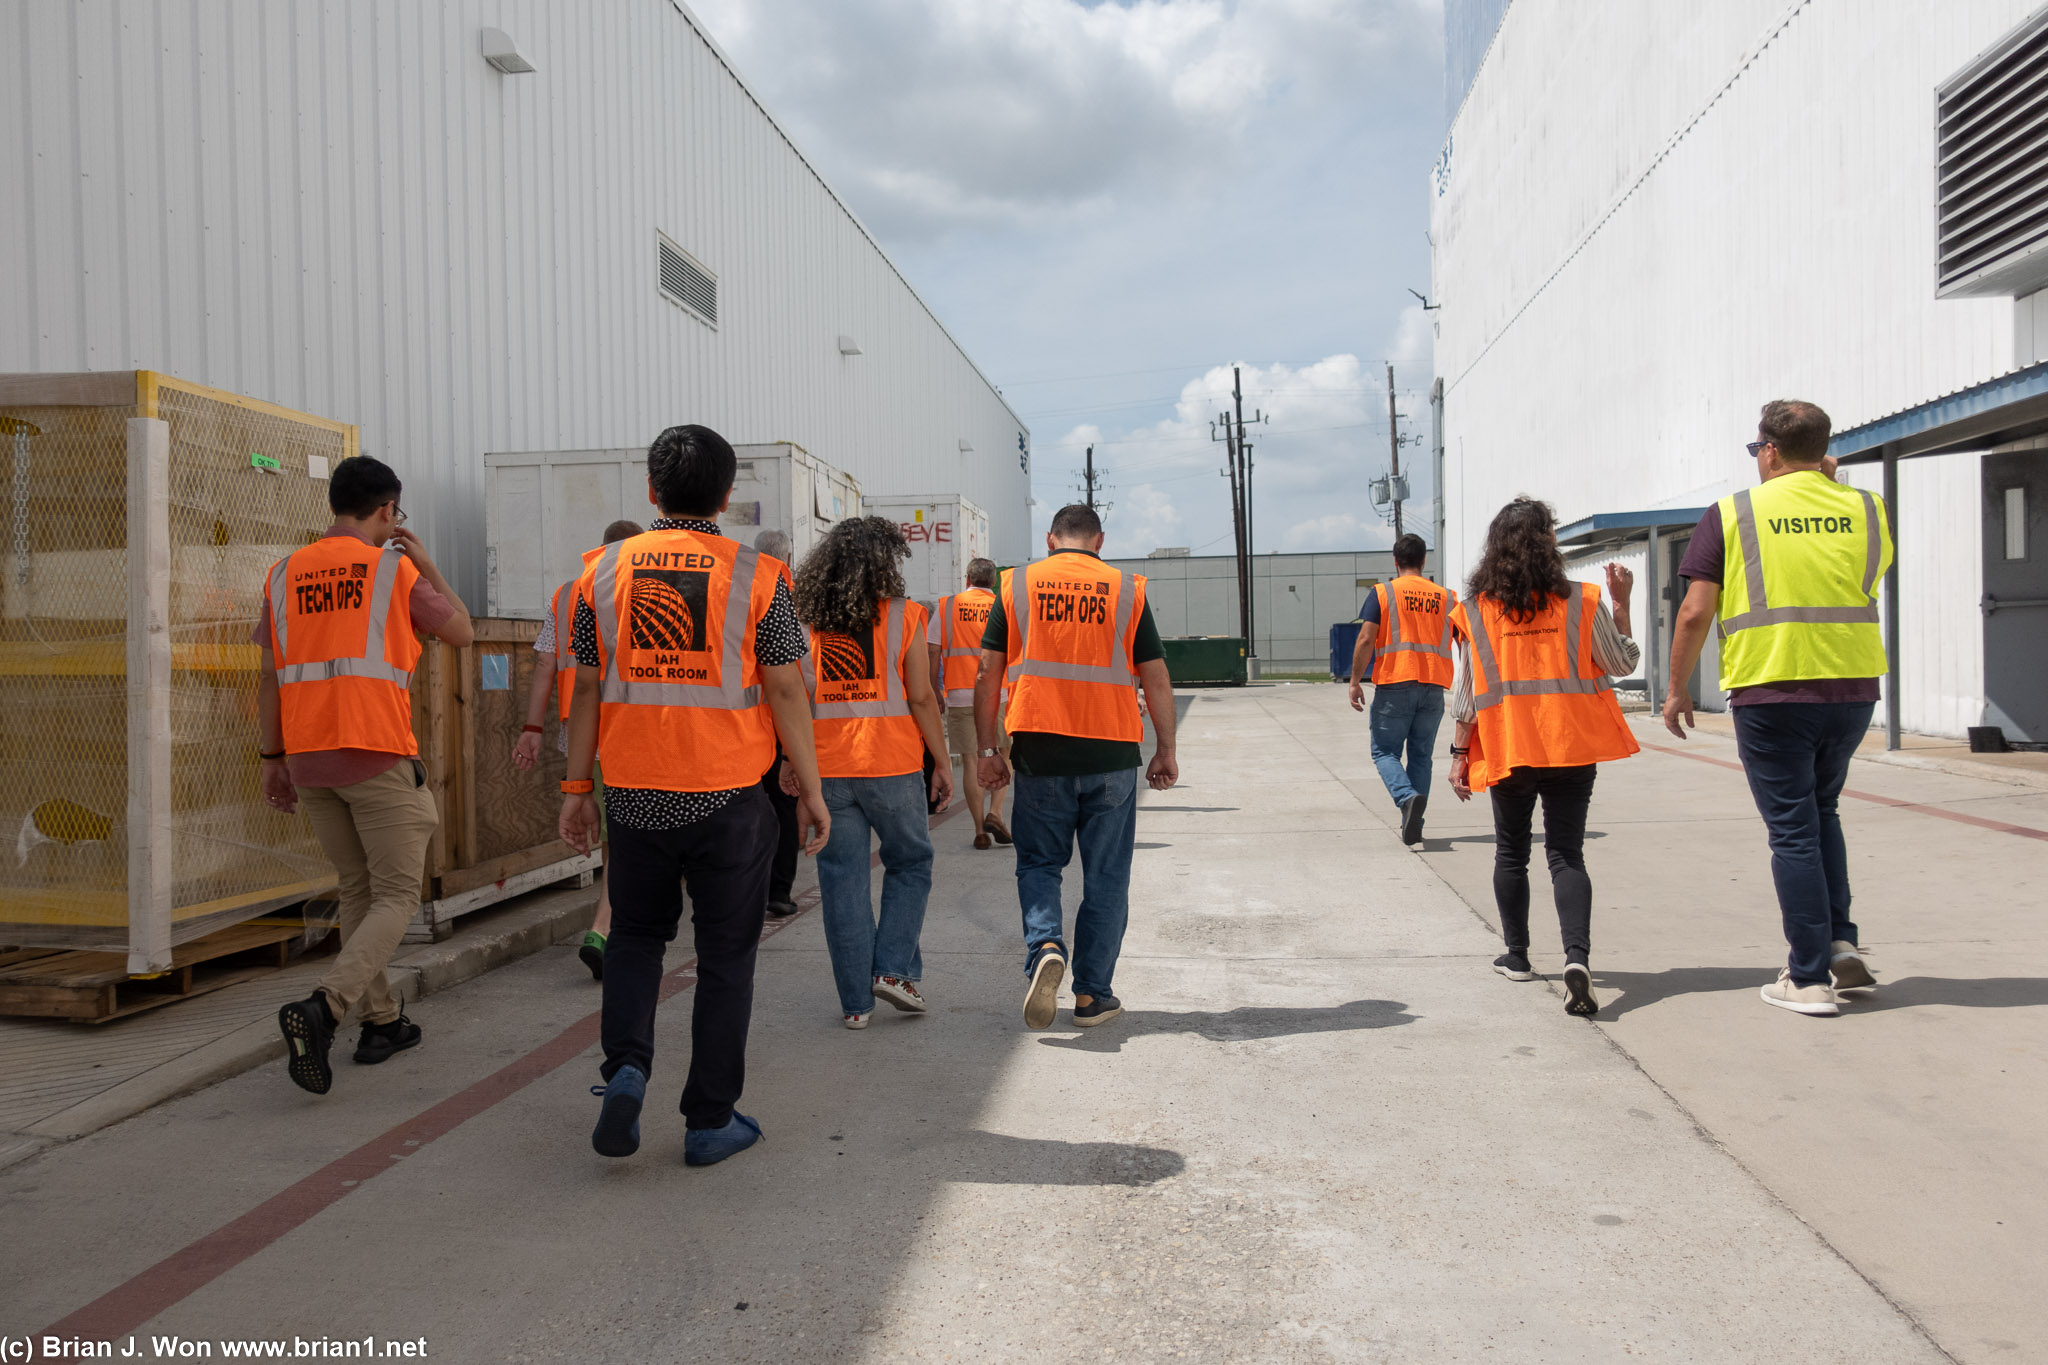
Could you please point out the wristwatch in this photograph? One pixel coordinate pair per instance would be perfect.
(991, 753)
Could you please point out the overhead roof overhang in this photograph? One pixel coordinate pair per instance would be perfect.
(1613, 527)
(1997, 412)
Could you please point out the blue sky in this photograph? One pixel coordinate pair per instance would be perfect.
(1110, 204)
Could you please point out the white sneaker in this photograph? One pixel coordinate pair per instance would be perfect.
(1850, 971)
(858, 1020)
(900, 992)
(1799, 999)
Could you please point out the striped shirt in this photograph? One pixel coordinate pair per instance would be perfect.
(1616, 654)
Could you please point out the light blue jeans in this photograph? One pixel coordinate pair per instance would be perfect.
(1405, 715)
(1051, 815)
(894, 809)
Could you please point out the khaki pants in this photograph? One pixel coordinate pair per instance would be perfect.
(960, 738)
(375, 832)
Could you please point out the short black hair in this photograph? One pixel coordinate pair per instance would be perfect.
(360, 485)
(981, 573)
(1799, 430)
(1410, 552)
(692, 469)
(622, 529)
(1076, 521)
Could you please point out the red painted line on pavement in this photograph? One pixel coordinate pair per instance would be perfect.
(128, 1306)
(2024, 831)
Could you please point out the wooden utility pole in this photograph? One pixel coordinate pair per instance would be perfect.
(1394, 445)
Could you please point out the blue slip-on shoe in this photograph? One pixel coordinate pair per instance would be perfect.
(618, 1122)
(709, 1146)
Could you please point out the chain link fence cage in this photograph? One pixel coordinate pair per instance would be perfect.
(245, 486)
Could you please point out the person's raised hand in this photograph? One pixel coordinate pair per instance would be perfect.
(1828, 465)
(813, 822)
(1357, 695)
(994, 772)
(1621, 581)
(1677, 705)
(527, 751)
(577, 825)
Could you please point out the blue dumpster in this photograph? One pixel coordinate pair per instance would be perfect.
(1343, 640)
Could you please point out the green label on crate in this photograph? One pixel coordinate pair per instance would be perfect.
(264, 462)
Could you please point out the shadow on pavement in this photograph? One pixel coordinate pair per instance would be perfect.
(1647, 988)
(1430, 845)
(996, 1159)
(1238, 1025)
(1984, 993)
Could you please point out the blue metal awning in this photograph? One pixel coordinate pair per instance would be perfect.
(2009, 408)
(1605, 526)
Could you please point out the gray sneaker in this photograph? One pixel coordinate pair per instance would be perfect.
(1850, 971)
(1818, 1000)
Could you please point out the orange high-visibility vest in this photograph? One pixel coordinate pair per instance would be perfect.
(961, 620)
(563, 609)
(859, 695)
(342, 639)
(1542, 700)
(1414, 640)
(679, 702)
(1073, 622)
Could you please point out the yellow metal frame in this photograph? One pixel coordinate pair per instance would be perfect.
(148, 384)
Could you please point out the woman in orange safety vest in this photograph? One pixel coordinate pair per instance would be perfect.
(1535, 713)
(876, 717)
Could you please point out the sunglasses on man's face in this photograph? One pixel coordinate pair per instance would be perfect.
(1756, 448)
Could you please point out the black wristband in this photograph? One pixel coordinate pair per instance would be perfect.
(1456, 752)
(260, 754)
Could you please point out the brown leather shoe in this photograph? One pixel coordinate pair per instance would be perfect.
(997, 829)
(981, 839)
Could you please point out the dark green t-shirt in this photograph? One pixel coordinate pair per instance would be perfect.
(1043, 754)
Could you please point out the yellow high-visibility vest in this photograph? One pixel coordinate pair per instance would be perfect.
(1802, 557)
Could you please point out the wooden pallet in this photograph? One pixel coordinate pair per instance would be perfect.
(95, 987)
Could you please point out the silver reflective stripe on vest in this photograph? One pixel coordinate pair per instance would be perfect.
(728, 695)
(1498, 691)
(1116, 673)
(372, 664)
(565, 627)
(1396, 645)
(892, 701)
(277, 616)
(322, 670)
(1762, 613)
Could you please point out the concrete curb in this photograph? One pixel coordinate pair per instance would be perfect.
(485, 940)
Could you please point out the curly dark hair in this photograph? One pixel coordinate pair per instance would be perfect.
(1521, 567)
(845, 577)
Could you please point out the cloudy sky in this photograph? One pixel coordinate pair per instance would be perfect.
(1110, 204)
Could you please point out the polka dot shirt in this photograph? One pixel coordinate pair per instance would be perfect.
(778, 640)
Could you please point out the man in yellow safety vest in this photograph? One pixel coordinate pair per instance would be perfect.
(1790, 569)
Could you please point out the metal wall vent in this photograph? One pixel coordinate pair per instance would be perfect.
(685, 282)
(1991, 185)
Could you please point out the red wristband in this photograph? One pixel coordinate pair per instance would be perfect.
(583, 788)
(529, 729)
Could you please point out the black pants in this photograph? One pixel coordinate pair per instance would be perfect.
(782, 875)
(1565, 794)
(724, 861)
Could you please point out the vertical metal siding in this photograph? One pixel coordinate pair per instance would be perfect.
(1739, 209)
(338, 206)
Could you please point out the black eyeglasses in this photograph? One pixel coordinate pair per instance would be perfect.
(1755, 446)
(397, 514)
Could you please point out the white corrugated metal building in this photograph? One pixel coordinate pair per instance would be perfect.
(344, 208)
(1648, 220)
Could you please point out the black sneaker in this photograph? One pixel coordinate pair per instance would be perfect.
(1100, 1010)
(380, 1041)
(591, 953)
(781, 909)
(1514, 966)
(308, 1028)
(1578, 986)
(1411, 818)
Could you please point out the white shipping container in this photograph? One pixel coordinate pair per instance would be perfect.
(945, 530)
(543, 509)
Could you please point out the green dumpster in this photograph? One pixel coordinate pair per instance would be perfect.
(1195, 660)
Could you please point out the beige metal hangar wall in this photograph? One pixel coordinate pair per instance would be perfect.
(337, 205)
(1739, 208)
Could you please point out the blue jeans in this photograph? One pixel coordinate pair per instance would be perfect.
(1049, 817)
(894, 809)
(1796, 756)
(1405, 714)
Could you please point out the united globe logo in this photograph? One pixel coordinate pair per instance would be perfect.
(668, 608)
(845, 658)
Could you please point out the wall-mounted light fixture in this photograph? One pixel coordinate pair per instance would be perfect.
(848, 346)
(965, 445)
(500, 53)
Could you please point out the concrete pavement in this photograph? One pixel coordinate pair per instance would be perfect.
(1323, 1130)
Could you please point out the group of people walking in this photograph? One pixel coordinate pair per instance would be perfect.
(1530, 657)
(744, 707)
